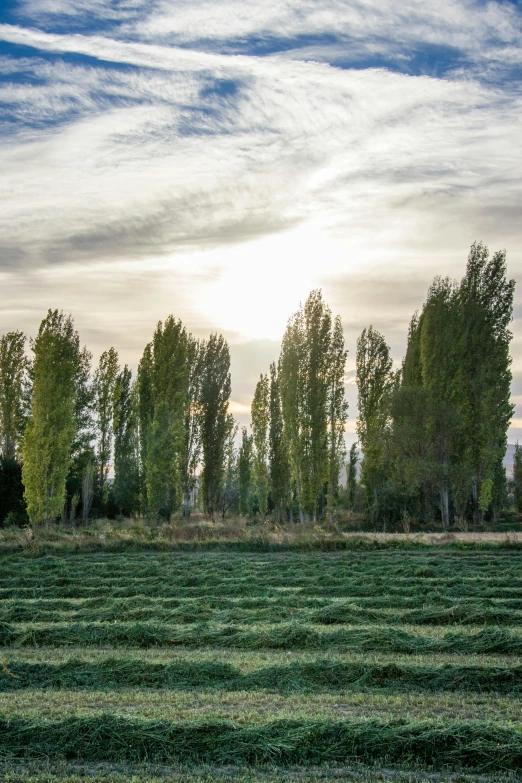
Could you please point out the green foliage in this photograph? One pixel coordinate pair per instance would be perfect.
(260, 430)
(351, 475)
(375, 385)
(12, 503)
(191, 451)
(337, 413)
(126, 444)
(311, 385)
(50, 432)
(434, 437)
(14, 392)
(517, 476)
(104, 387)
(215, 421)
(245, 469)
(278, 450)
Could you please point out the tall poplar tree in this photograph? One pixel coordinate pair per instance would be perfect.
(260, 425)
(291, 386)
(191, 452)
(351, 475)
(14, 388)
(104, 392)
(214, 417)
(337, 413)
(440, 327)
(375, 381)
(52, 425)
(166, 436)
(517, 476)
(126, 446)
(145, 415)
(484, 378)
(278, 450)
(317, 357)
(245, 470)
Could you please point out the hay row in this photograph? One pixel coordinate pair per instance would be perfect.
(297, 677)
(110, 738)
(290, 636)
(328, 614)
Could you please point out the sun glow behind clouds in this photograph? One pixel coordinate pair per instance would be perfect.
(261, 284)
(146, 170)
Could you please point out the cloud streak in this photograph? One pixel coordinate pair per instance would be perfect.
(220, 160)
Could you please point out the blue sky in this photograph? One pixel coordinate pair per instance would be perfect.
(217, 160)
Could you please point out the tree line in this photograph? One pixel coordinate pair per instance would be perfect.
(62, 424)
(432, 433)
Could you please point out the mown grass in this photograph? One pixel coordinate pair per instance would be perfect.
(109, 737)
(249, 707)
(406, 657)
(52, 771)
(250, 611)
(371, 638)
(296, 677)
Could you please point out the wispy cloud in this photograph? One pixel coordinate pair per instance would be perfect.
(220, 159)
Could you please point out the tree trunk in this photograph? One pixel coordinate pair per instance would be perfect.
(477, 514)
(186, 506)
(444, 506)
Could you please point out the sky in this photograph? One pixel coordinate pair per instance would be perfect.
(219, 159)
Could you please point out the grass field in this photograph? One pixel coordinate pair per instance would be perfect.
(389, 665)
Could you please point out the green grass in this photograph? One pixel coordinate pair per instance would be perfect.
(297, 676)
(109, 737)
(294, 635)
(252, 707)
(404, 660)
(51, 771)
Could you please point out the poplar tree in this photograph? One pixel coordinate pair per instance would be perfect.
(214, 418)
(229, 497)
(351, 475)
(52, 425)
(104, 392)
(317, 355)
(440, 337)
(260, 425)
(291, 386)
(311, 383)
(484, 378)
(375, 380)
(14, 388)
(337, 413)
(278, 451)
(126, 447)
(145, 415)
(517, 476)
(191, 452)
(245, 469)
(166, 434)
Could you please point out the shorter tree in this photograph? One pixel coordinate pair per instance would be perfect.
(351, 475)
(245, 468)
(517, 476)
(14, 389)
(260, 425)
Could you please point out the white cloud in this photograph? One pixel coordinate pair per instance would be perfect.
(136, 186)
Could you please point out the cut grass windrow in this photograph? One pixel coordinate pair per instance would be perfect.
(270, 611)
(109, 738)
(321, 675)
(284, 636)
